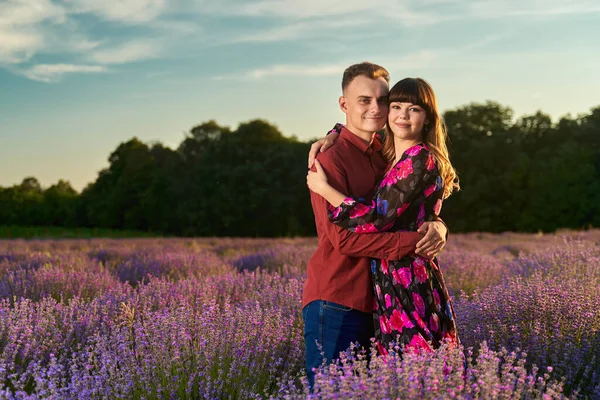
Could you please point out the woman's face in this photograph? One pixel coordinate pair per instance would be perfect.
(406, 120)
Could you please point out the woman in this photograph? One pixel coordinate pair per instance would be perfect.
(412, 307)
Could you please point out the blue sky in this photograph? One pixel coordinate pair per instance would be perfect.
(78, 77)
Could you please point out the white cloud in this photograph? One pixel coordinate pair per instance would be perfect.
(295, 70)
(303, 9)
(16, 47)
(331, 10)
(54, 27)
(419, 60)
(83, 44)
(131, 11)
(401, 11)
(128, 52)
(534, 8)
(15, 13)
(30, 27)
(53, 72)
(20, 33)
(297, 30)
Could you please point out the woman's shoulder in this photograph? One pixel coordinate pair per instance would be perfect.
(417, 152)
(419, 148)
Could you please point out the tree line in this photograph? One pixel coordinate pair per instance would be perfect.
(526, 174)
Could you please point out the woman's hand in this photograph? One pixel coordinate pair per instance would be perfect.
(317, 181)
(320, 146)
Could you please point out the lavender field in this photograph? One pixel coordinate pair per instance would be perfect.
(220, 318)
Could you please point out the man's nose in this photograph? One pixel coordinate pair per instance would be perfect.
(377, 108)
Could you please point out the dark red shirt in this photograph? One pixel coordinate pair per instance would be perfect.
(339, 271)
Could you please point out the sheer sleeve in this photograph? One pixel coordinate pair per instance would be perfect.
(414, 180)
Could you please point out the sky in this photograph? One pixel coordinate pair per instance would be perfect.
(79, 77)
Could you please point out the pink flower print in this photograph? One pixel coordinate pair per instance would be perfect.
(336, 212)
(400, 320)
(437, 207)
(404, 276)
(385, 267)
(396, 321)
(382, 350)
(375, 304)
(419, 321)
(385, 325)
(429, 190)
(418, 343)
(419, 304)
(349, 201)
(434, 322)
(430, 162)
(395, 277)
(405, 168)
(388, 301)
(403, 208)
(421, 324)
(360, 210)
(366, 228)
(378, 291)
(390, 178)
(436, 299)
(413, 151)
(419, 268)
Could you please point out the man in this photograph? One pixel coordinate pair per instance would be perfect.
(337, 299)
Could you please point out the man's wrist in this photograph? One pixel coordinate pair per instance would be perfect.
(438, 219)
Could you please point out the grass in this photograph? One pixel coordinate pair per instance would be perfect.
(55, 232)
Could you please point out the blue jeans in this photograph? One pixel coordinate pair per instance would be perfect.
(334, 327)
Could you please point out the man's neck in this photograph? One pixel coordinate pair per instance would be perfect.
(366, 137)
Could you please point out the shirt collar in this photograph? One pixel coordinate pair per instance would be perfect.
(357, 142)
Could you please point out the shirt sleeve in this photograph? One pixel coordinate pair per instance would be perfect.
(388, 245)
(414, 180)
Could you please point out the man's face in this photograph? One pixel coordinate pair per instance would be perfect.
(365, 104)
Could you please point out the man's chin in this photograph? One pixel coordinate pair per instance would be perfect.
(375, 127)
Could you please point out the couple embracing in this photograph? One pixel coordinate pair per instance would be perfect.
(376, 200)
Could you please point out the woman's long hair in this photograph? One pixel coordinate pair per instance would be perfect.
(418, 91)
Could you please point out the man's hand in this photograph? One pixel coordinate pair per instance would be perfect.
(320, 146)
(434, 240)
(317, 181)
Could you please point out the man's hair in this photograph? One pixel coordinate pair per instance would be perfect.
(367, 69)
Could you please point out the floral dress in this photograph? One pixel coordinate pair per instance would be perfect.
(412, 306)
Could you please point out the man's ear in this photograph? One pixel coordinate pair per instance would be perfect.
(343, 104)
